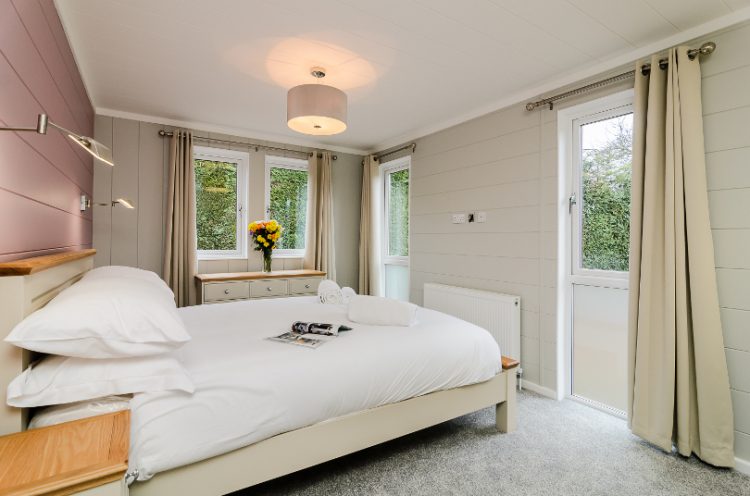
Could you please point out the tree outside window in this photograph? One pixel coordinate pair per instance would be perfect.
(606, 159)
(288, 205)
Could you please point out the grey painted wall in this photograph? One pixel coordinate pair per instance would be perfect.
(726, 118)
(506, 164)
(136, 237)
(347, 197)
(502, 163)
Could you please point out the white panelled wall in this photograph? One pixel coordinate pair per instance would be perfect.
(726, 121)
(136, 237)
(505, 163)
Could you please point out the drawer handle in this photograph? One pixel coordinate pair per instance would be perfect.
(307, 286)
(268, 288)
(226, 291)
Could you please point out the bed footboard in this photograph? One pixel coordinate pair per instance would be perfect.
(324, 441)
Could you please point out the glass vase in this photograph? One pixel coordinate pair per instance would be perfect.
(267, 261)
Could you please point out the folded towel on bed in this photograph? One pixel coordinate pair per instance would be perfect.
(374, 310)
(348, 293)
(330, 293)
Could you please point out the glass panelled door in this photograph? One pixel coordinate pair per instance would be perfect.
(600, 220)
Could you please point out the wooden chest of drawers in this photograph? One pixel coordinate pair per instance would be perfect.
(222, 287)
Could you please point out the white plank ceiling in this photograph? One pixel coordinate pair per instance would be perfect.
(407, 65)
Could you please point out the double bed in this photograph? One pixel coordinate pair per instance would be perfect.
(263, 409)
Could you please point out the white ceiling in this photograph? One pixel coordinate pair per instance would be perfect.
(408, 66)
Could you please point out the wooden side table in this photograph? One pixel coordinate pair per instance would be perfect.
(84, 457)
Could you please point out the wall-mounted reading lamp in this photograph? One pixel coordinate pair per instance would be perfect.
(92, 146)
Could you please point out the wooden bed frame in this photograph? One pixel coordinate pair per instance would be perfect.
(27, 285)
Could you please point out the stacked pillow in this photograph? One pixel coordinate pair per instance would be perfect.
(112, 333)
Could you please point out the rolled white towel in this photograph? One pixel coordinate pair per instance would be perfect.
(374, 310)
(348, 293)
(330, 293)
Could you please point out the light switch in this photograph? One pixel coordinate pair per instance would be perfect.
(459, 218)
(481, 217)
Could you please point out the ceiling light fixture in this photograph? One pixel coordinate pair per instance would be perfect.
(96, 149)
(316, 109)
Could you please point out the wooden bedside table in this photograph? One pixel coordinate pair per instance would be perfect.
(85, 457)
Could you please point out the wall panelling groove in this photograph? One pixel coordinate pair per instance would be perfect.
(41, 177)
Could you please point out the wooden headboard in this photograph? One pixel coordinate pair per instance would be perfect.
(25, 286)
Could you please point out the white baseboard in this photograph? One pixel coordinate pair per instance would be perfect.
(742, 466)
(536, 388)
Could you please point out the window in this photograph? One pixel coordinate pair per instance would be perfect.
(220, 195)
(396, 228)
(602, 174)
(286, 201)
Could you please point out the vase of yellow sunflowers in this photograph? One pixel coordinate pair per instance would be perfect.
(266, 234)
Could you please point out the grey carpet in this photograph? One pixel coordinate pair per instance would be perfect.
(560, 448)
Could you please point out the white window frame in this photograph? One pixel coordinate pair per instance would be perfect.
(293, 164)
(242, 159)
(387, 168)
(609, 108)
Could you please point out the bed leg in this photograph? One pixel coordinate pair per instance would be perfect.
(507, 412)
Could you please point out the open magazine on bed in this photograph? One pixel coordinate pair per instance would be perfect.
(310, 334)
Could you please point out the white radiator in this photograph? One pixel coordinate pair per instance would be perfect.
(499, 313)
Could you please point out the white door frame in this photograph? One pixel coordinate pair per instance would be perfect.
(565, 278)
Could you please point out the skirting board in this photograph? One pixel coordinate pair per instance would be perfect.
(536, 388)
(742, 466)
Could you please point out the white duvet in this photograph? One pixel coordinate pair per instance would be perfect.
(248, 388)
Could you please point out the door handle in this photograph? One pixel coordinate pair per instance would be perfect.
(572, 200)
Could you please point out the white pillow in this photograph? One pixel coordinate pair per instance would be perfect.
(55, 379)
(107, 314)
(121, 271)
(57, 414)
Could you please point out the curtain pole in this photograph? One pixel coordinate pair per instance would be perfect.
(705, 49)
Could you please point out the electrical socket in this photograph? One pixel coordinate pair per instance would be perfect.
(481, 217)
(459, 218)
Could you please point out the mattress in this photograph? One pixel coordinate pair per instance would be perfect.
(249, 388)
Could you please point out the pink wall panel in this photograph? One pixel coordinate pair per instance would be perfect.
(41, 177)
(61, 39)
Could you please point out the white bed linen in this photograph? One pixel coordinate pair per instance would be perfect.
(248, 388)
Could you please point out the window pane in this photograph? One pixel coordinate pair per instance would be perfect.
(605, 215)
(216, 205)
(398, 213)
(289, 205)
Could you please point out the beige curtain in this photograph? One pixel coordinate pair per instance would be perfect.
(678, 382)
(180, 242)
(320, 252)
(370, 226)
